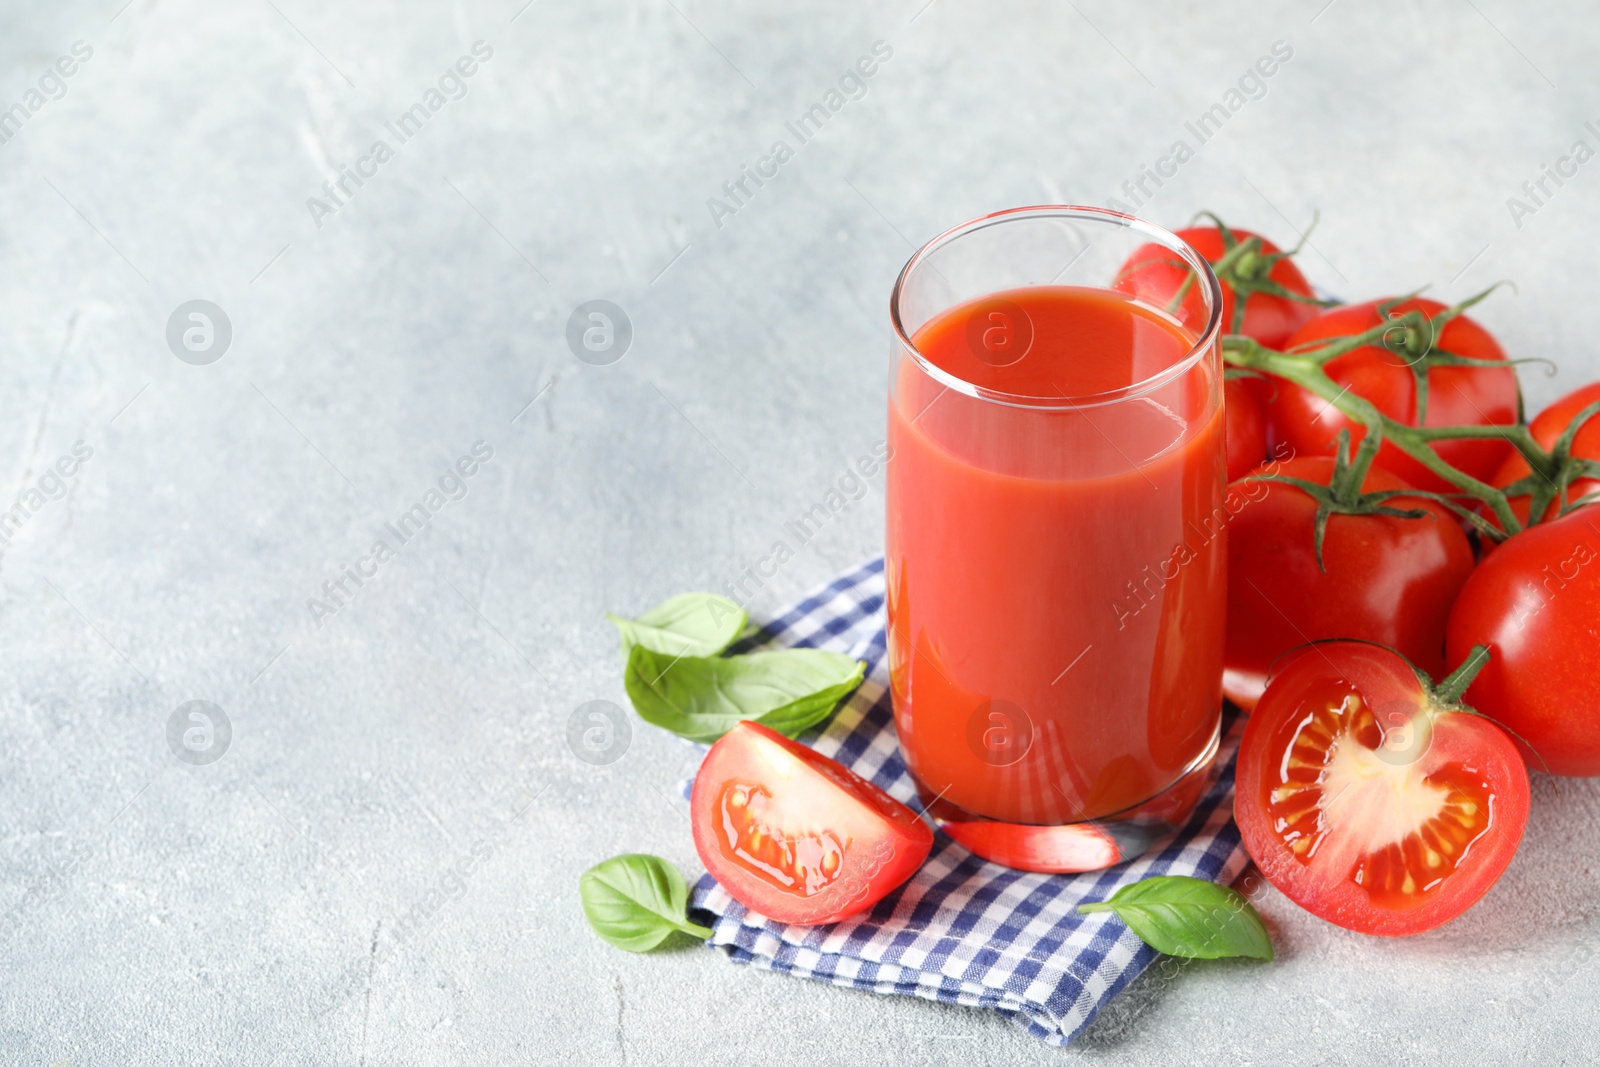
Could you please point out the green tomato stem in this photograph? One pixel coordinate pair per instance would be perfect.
(1448, 692)
(1305, 369)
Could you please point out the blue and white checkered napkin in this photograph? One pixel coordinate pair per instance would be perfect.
(962, 930)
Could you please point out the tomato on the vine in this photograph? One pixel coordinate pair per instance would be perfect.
(797, 836)
(1546, 427)
(1457, 395)
(1382, 577)
(1246, 428)
(1264, 296)
(1264, 275)
(1371, 798)
(1535, 603)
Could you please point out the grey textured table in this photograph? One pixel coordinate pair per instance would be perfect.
(301, 899)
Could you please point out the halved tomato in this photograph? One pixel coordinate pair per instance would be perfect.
(1372, 798)
(797, 836)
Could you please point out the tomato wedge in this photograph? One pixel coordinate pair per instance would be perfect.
(796, 836)
(1373, 799)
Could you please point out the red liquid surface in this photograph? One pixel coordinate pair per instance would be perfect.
(1057, 577)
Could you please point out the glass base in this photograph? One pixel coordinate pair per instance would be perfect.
(1071, 848)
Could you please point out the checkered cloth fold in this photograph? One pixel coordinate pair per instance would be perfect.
(962, 930)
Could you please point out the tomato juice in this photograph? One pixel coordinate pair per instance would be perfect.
(1056, 553)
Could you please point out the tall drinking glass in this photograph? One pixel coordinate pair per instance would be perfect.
(1056, 559)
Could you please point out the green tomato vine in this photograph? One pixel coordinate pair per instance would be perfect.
(1412, 335)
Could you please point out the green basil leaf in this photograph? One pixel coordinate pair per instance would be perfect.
(1191, 917)
(702, 698)
(689, 624)
(635, 902)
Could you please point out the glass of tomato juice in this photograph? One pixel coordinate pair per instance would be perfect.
(1056, 555)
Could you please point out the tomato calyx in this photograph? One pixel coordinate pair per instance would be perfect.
(1443, 695)
(1413, 339)
(1342, 495)
(1411, 336)
(1447, 694)
(1546, 487)
(1246, 268)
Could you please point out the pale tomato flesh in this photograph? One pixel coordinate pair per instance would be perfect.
(1400, 832)
(796, 836)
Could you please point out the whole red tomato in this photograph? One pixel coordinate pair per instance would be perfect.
(1457, 396)
(1371, 798)
(1546, 427)
(1156, 276)
(1535, 602)
(1388, 579)
(1246, 429)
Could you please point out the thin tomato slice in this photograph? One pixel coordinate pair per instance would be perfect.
(796, 836)
(1369, 798)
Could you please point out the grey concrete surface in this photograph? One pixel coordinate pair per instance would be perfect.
(249, 910)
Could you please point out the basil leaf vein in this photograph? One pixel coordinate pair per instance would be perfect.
(689, 624)
(1191, 917)
(636, 901)
(702, 698)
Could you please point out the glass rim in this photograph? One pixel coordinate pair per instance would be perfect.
(1205, 341)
